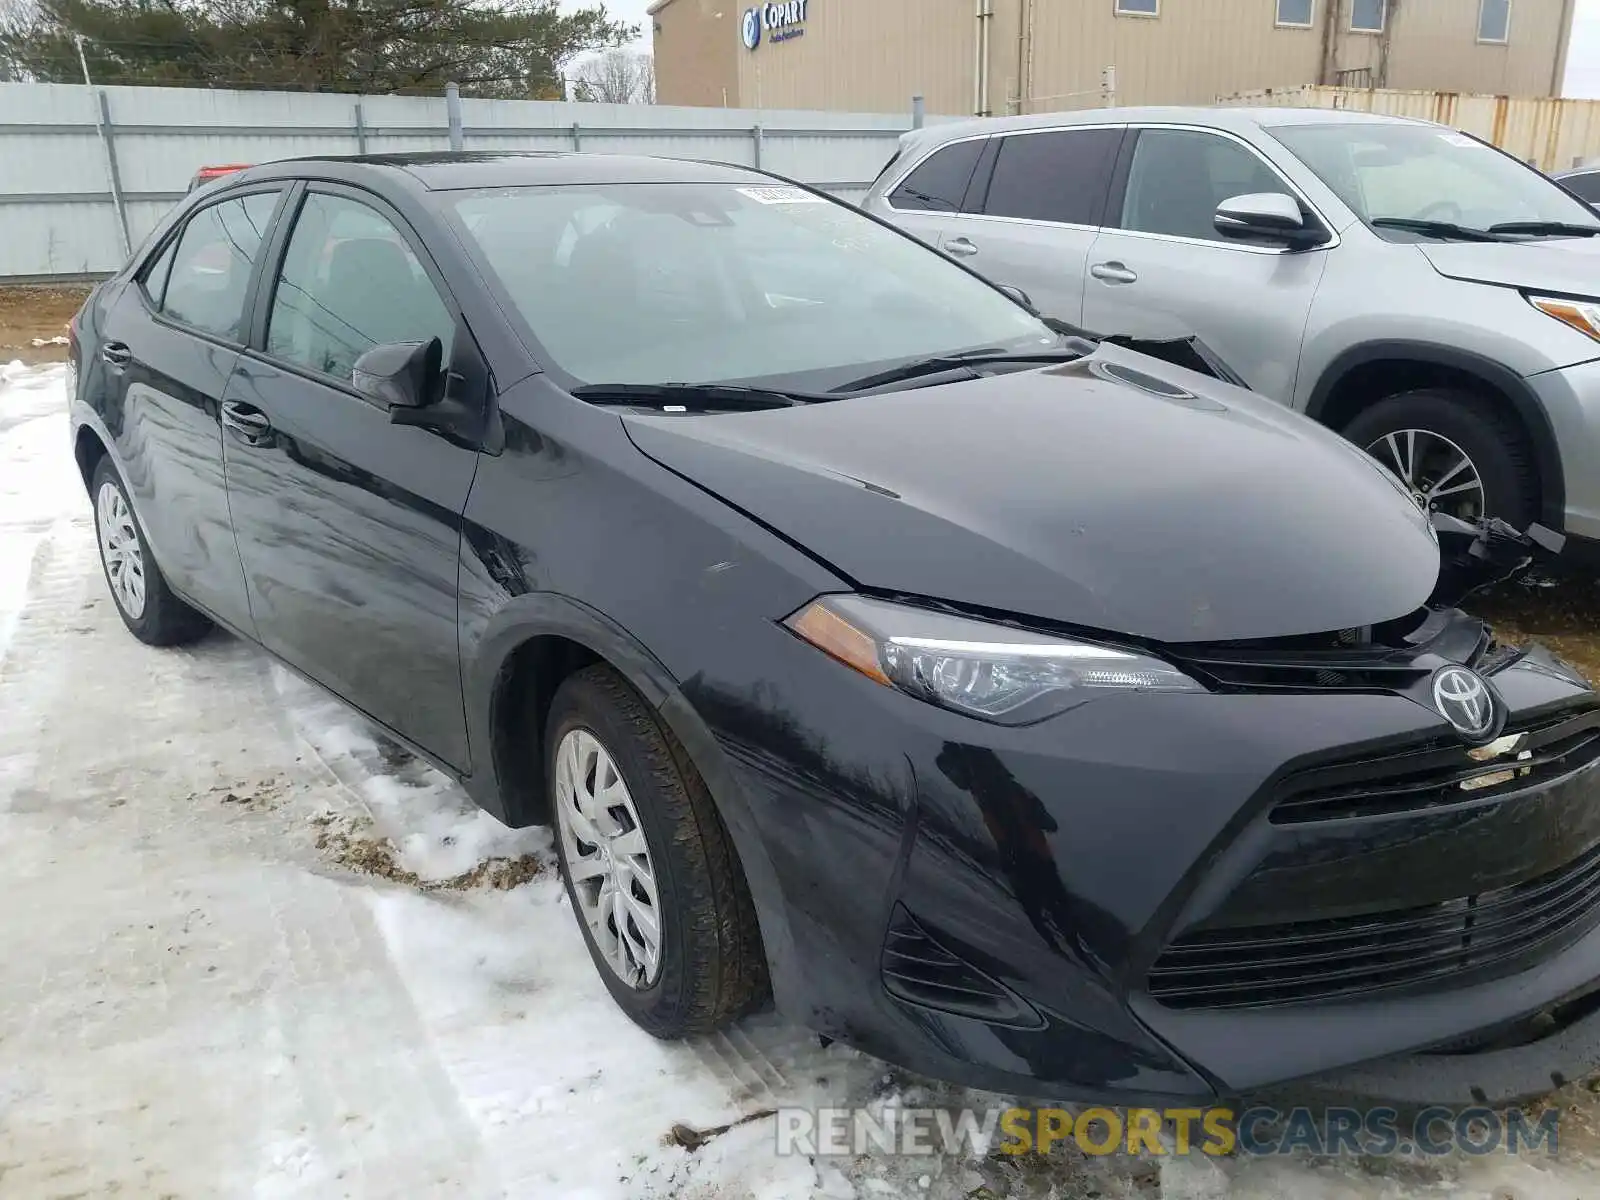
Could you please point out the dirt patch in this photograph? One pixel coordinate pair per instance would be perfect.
(263, 795)
(33, 318)
(348, 844)
(1565, 616)
(691, 1139)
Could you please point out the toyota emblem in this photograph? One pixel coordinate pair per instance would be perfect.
(1464, 699)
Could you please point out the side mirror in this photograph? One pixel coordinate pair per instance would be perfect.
(1267, 216)
(400, 375)
(1017, 294)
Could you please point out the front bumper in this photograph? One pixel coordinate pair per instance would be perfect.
(992, 906)
(1571, 398)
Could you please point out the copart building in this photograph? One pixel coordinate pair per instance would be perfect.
(991, 57)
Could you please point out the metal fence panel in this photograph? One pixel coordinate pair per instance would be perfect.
(57, 212)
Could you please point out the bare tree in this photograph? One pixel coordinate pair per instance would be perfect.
(647, 79)
(615, 77)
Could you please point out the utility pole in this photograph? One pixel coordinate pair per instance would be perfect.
(102, 122)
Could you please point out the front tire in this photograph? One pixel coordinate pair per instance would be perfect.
(145, 603)
(650, 871)
(1455, 452)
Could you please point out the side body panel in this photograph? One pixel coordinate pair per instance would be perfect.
(162, 409)
(349, 528)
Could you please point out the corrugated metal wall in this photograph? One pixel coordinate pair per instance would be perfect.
(1044, 55)
(1552, 134)
(56, 212)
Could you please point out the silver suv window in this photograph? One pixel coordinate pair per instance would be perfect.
(1585, 186)
(1054, 176)
(1179, 176)
(939, 184)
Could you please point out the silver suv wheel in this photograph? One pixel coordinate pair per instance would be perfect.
(1439, 474)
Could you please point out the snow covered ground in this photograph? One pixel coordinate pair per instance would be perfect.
(247, 948)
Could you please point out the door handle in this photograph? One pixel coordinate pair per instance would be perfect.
(961, 247)
(1114, 272)
(116, 355)
(246, 422)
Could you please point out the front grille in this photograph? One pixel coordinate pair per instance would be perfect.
(919, 970)
(1306, 961)
(1440, 772)
(1370, 658)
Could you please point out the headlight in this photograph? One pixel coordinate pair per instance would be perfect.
(1582, 315)
(994, 672)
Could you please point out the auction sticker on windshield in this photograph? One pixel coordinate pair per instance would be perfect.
(780, 195)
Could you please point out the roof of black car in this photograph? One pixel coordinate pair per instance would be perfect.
(443, 171)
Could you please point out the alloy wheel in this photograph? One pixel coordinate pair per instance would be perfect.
(1439, 474)
(119, 546)
(608, 859)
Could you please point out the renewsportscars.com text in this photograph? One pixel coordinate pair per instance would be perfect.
(1217, 1132)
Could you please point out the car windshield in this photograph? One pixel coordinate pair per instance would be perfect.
(699, 283)
(1427, 173)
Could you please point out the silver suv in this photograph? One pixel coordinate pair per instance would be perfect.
(1429, 296)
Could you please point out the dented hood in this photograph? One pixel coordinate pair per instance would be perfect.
(1159, 504)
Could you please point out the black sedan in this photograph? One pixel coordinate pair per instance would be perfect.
(1029, 711)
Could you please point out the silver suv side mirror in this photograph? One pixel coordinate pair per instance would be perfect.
(1267, 216)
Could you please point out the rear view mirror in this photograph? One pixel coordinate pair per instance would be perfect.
(1269, 216)
(400, 375)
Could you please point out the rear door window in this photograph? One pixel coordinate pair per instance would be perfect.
(209, 276)
(1057, 176)
(941, 181)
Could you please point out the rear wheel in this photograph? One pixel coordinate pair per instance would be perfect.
(1455, 452)
(649, 869)
(144, 601)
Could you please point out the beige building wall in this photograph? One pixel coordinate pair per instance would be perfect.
(696, 46)
(1042, 55)
(867, 56)
(1433, 45)
(1190, 54)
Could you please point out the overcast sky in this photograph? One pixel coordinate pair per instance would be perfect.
(1583, 62)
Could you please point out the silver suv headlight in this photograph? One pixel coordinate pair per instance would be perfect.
(990, 671)
(1582, 315)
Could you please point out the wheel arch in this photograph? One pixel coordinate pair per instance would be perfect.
(1342, 392)
(529, 646)
(88, 448)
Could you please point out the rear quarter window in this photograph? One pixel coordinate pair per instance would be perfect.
(939, 184)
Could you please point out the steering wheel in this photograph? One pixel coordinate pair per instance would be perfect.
(1440, 210)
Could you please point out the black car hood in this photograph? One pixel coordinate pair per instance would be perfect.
(1071, 495)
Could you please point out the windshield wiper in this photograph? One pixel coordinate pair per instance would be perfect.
(722, 397)
(934, 203)
(1546, 228)
(1439, 229)
(952, 362)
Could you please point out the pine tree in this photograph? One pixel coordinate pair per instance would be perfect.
(508, 48)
